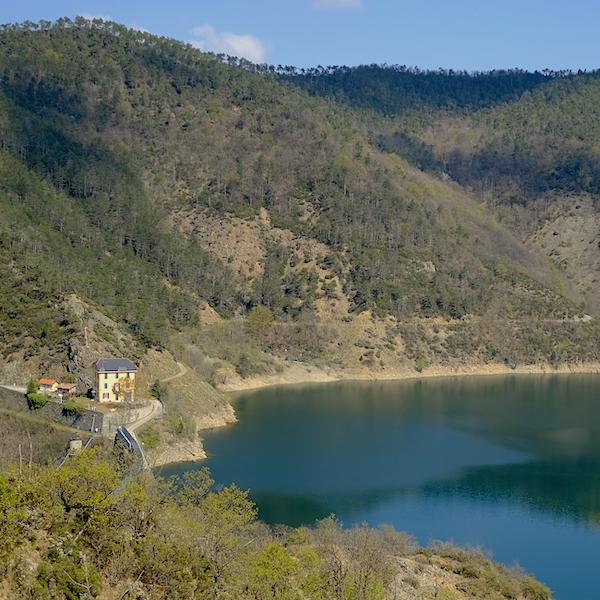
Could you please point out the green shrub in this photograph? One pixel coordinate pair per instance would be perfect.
(37, 401)
(535, 590)
(71, 409)
(182, 426)
(158, 390)
(149, 437)
(299, 537)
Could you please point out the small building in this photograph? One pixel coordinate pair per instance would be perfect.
(115, 380)
(48, 385)
(66, 389)
(75, 445)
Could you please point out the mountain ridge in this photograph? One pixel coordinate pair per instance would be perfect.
(114, 142)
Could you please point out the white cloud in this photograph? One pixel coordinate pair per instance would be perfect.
(226, 42)
(89, 17)
(337, 4)
(135, 26)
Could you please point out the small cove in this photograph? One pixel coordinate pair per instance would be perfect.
(511, 463)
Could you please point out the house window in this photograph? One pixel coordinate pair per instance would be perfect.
(128, 375)
(104, 396)
(116, 376)
(105, 375)
(106, 386)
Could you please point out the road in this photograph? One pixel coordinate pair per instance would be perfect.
(157, 407)
(157, 410)
(16, 388)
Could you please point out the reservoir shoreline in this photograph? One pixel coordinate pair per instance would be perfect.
(299, 373)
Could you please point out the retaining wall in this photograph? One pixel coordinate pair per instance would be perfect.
(124, 416)
(89, 420)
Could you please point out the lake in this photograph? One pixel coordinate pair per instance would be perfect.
(510, 463)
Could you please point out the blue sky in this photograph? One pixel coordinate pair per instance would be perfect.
(465, 34)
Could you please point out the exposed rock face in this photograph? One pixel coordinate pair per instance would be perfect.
(183, 451)
(570, 238)
(99, 337)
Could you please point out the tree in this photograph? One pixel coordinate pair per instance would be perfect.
(222, 531)
(272, 571)
(330, 539)
(369, 565)
(341, 167)
(194, 486)
(11, 516)
(258, 321)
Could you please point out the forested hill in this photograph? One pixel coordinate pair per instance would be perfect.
(150, 178)
(394, 90)
(513, 134)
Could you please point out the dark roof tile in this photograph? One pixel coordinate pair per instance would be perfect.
(114, 365)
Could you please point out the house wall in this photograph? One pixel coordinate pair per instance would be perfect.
(49, 388)
(105, 385)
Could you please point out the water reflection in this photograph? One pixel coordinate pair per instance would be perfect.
(491, 461)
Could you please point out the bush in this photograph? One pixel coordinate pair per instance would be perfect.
(535, 590)
(158, 390)
(149, 437)
(37, 401)
(71, 409)
(182, 426)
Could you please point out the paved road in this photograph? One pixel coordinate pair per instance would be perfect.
(157, 409)
(16, 388)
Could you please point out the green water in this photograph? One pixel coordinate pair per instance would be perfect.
(510, 463)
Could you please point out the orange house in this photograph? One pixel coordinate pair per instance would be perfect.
(48, 385)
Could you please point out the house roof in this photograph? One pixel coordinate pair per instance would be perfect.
(67, 386)
(113, 365)
(48, 381)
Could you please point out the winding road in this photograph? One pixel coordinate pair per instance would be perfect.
(157, 411)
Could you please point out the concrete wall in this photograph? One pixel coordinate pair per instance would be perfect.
(13, 400)
(90, 420)
(124, 416)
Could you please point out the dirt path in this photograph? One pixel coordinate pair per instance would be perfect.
(183, 371)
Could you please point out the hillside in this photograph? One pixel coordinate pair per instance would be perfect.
(525, 144)
(182, 208)
(215, 211)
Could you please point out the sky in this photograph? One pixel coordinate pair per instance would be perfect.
(430, 34)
